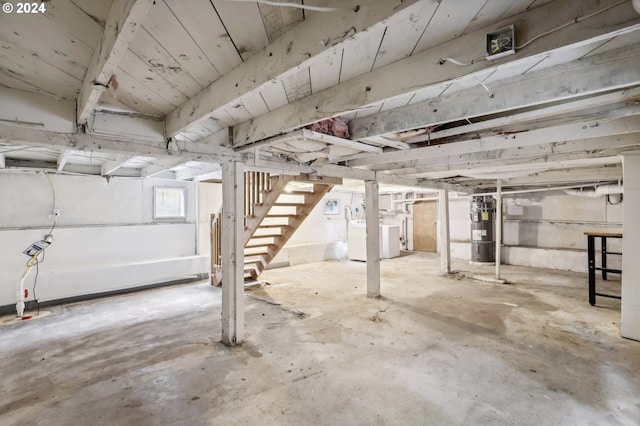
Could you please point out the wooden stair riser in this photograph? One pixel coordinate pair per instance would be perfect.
(319, 192)
(283, 216)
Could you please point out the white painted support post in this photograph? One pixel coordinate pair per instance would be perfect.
(373, 238)
(630, 310)
(445, 242)
(232, 253)
(498, 225)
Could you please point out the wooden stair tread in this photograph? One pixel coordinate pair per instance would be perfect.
(298, 193)
(257, 253)
(252, 245)
(260, 250)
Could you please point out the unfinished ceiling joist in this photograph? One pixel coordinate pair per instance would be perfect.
(306, 134)
(321, 32)
(422, 70)
(203, 172)
(561, 133)
(189, 151)
(518, 156)
(534, 115)
(332, 170)
(62, 159)
(123, 20)
(161, 167)
(110, 166)
(617, 69)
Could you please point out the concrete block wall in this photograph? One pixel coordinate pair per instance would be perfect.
(544, 229)
(105, 239)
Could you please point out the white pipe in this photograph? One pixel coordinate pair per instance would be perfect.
(596, 192)
(525, 191)
(520, 191)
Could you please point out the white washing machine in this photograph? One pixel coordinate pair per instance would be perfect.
(357, 241)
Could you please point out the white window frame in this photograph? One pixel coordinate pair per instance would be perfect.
(174, 212)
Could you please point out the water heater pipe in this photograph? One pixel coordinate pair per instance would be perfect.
(596, 192)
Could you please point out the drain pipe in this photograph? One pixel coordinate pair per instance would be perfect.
(596, 192)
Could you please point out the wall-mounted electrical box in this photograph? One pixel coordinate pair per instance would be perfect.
(501, 43)
(36, 248)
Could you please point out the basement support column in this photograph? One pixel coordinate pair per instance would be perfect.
(373, 238)
(232, 253)
(630, 311)
(445, 242)
(498, 225)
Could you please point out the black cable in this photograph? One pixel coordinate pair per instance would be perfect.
(614, 204)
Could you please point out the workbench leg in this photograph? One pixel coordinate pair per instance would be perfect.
(592, 269)
(604, 257)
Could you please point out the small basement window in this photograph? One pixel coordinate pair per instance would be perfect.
(169, 203)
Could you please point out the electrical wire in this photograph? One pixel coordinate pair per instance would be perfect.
(460, 63)
(503, 41)
(53, 190)
(483, 85)
(296, 5)
(575, 21)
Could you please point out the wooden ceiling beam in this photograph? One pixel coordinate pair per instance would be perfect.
(62, 159)
(574, 131)
(294, 49)
(425, 69)
(110, 166)
(123, 20)
(188, 151)
(531, 155)
(614, 70)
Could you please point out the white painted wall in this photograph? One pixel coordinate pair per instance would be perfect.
(544, 229)
(106, 238)
(320, 237)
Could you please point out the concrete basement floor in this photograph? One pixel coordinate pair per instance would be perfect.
(433, 351)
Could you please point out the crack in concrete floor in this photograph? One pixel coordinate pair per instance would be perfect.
(432, 350)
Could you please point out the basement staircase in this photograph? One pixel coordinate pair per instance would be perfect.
(273, 211)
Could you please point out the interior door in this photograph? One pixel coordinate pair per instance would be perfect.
(424, 226)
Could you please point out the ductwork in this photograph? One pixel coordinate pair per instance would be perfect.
(596, 192)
